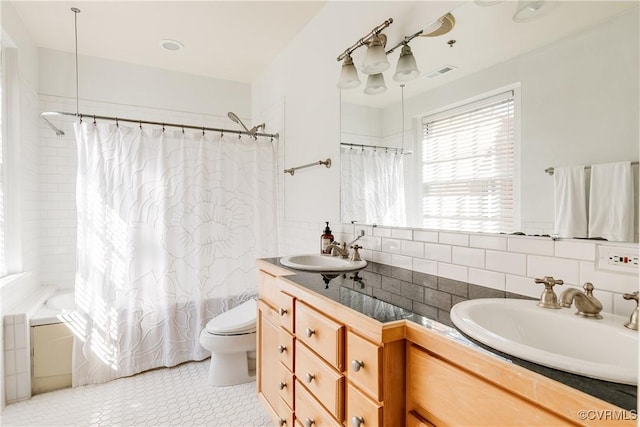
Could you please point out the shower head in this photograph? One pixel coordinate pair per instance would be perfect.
(256, 128)
(236, 119)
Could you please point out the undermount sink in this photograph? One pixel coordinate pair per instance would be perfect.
(556, 338)
(321, 263)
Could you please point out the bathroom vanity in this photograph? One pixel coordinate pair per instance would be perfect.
(329, 355)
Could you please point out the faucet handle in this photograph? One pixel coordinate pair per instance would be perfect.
(549, 299)
(588, 289)
(631, 296)
(633, 320)
(356, 255)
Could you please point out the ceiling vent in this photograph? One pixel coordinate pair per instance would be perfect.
(440, 71)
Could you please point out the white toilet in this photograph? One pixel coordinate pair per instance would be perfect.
(231, 339)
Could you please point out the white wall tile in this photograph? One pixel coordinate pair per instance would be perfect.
(9, 362)
(454, 272)
(425, 266)
(23, 383)
(381, 257)
(530, 245)
(20, 331)
(563, 269)
(392, 246)
(425, 236)
(468, 256)
(506, 262)
(9, 341)
(576, 250)
(400, 233)
(523, 286)
(22, 360)
(489, 279)
(413, 249)
(458, 239)
(402, 261)
(607, 280)
(371, 243)
(436, 252)
(11, 388)
(382, 232)
(497, 243)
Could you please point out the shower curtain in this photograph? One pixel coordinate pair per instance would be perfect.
(372, 186)
(170, 224)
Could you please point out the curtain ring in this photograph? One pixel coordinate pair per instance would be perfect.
(182, 126)
(94, 120)
(140, 124)
(239, 136)
(202, 130)
(80, 118)
(117, 124)
(163, 127)
(221, 134)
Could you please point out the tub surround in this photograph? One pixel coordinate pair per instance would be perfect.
(391, 295)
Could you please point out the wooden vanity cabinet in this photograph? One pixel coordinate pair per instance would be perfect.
(342, 368)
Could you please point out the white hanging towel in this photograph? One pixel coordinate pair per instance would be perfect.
(570, 201)
(611, 207)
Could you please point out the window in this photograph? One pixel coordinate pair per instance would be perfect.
(468, 167)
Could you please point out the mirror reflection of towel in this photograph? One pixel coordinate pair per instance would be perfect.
(611, 207)
(570, 201)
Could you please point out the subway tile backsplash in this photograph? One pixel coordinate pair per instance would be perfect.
(503, 263)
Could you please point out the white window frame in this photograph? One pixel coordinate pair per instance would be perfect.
(466, 105)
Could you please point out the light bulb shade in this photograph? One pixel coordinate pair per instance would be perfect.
(532, 9)
(375, 84)
(376, 60)
(348, 74)
(407, 69)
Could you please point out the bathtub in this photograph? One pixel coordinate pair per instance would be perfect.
(51, 343)
(55, 305)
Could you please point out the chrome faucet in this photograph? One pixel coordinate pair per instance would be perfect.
(586, 303)
(549, 299)
(633, 320)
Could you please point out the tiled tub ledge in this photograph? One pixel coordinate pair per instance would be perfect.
(388, 293)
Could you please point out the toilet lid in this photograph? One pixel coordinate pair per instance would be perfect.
(237, 320)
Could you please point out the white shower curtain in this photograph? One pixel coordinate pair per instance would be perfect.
(372, 186)
(169, 227)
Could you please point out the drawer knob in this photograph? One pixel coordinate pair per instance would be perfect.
(282, 311)
(282, 386)
(309, 422)
(281, 348)
(309, 332)
(356, 365)
(282, 422)
(357, 421)
(310, 377)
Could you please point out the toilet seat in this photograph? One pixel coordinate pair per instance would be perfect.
(237, 321)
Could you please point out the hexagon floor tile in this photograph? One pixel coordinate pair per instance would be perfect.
(178, 396)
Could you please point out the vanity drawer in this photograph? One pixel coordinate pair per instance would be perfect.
(286, 349)
(286, 415)
(268, 289)
(321, 334)
(285, 310)
(362, 411)
(457, 397)
(321, 380)
(309, 412)
(364, 363)
(285, 384)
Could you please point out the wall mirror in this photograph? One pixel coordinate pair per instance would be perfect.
(574, 83)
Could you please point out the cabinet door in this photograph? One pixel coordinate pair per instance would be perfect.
(457, 397)
(321, 334)
(364, 365)
(267, 368)
(361, 410)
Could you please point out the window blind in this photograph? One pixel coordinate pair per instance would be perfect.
(468, 167)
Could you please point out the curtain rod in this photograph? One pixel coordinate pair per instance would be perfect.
(402, 150)
(60, 132)
(551, 170)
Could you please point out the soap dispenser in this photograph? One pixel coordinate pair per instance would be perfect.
(325, 240)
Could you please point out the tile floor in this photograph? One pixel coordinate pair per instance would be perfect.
(178, 396)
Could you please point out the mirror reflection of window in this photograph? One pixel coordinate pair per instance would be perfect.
(467, 166)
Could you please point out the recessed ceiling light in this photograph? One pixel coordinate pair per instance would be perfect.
(170, 45)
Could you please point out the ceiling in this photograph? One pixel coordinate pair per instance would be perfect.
(231, 40)
(236, 40)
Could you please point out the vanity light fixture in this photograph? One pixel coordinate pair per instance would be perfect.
(531, 9)
(348, 74)
(375, 84)
(407, 69)
(376, 60)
